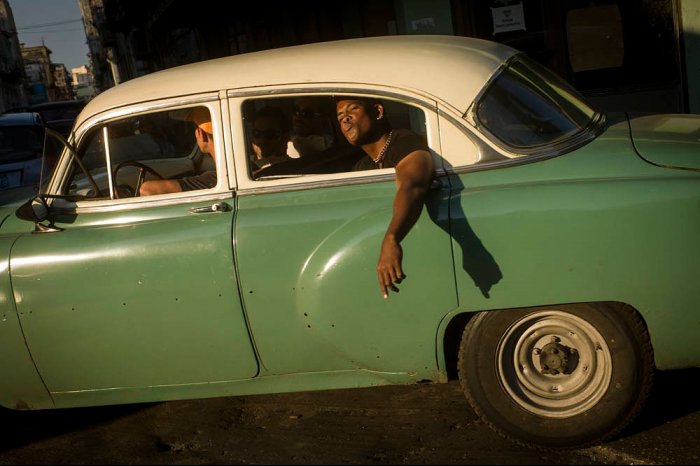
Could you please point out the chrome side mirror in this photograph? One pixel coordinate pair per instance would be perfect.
(37, 210)
(40, 209)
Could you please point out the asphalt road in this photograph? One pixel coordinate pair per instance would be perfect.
(424, 424)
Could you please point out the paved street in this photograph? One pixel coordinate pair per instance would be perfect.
(426, 424)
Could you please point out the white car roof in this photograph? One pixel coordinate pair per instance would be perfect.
(450, 68)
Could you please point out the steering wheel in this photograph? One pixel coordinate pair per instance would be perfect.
(125, 190)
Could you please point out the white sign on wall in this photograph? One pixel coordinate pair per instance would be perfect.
(508, 18)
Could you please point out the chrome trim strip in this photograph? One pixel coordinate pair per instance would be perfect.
(530, 158)
(586, 134)
(469, 113)
(330, 90)
(595, 127)
(146, 106)
(317, 184)
(108, 156)
(500, 164)
(327, 184)
(145, 203)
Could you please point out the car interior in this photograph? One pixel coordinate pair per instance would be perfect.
(337, 155)
(161, 145)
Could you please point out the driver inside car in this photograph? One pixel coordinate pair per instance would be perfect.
(203, 133)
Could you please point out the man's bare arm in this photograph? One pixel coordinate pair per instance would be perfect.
(413, 176)
(149, 188)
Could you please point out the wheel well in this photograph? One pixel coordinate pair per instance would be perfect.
(451, 341)
(454, 330)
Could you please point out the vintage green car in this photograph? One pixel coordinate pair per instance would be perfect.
(551, 269)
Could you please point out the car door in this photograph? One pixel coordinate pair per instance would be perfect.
(307, 248)
(131, 293)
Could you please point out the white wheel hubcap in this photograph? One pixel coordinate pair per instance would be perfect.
(554, 364)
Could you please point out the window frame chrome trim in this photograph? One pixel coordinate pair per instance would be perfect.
(121, 112)
(141, 108)
(144, 203)
(237, 93)
(425, 103)
(108, 157)
(380, 178)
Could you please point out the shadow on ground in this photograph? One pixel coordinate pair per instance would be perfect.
(18, 428)
(672, 397)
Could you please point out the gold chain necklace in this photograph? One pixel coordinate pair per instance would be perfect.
(382, 153)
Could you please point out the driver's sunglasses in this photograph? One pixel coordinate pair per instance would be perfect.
(306, 113)
(267, 134)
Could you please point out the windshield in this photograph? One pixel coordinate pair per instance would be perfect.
(528, 106)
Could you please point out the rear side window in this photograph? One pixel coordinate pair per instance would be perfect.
(527, 106)
(296, 136)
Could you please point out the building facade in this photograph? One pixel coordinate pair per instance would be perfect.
(637, 55)
(12, 92)
(99, 38)
(82, 83)
(40, 74)
(63, 82)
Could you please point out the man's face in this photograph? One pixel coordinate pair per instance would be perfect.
(268, 138)
(355, 122)
(204, 140)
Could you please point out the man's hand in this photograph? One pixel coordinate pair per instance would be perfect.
(413, 175)
(151, 187)
(389, 266)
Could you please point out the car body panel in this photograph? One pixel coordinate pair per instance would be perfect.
(263, 384)
(307, 262)
(21, 386)
(571, 228)
(111, 300)
(141, 299)
(668, 140)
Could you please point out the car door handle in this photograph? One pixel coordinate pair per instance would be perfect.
(218, 207)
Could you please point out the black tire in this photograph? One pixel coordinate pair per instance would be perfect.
(574, 392)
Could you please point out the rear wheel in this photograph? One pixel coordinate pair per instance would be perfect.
(565, 376)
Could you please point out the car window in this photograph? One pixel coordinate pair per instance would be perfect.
(527, 106)
(294, 136)
(152, 146)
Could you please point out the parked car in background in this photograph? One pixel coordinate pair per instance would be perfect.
(21, 149)
(553, 269)
(59, 115)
